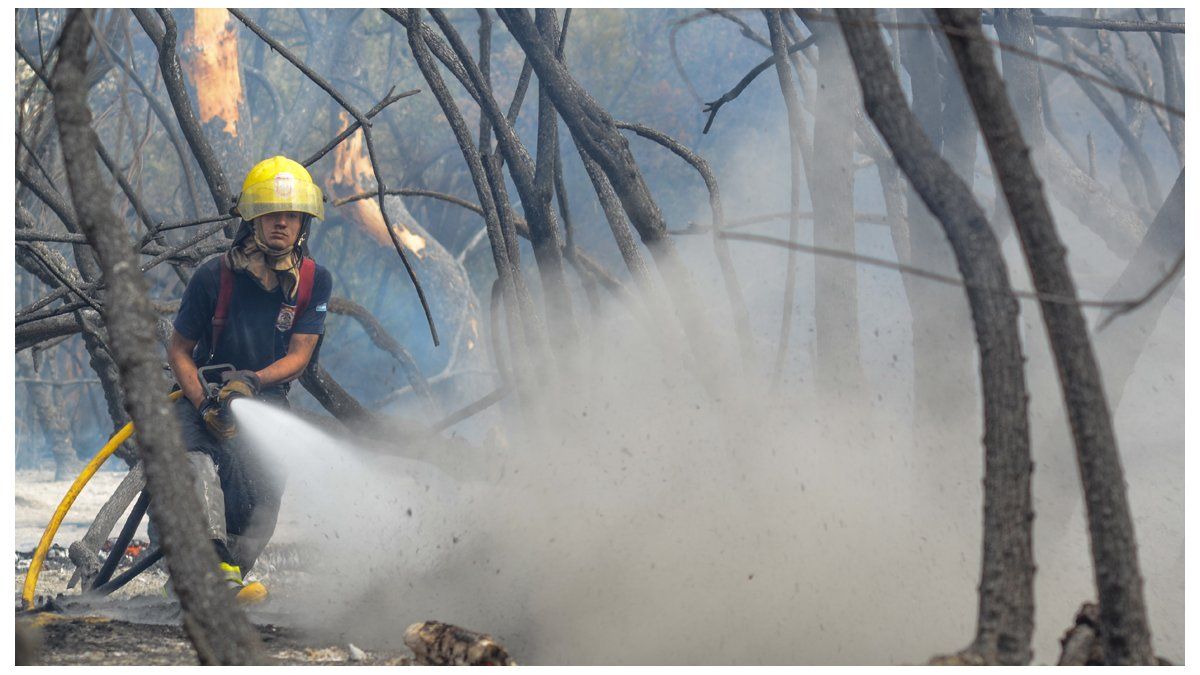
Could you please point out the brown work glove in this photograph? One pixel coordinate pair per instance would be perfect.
(239, 382)
(218, 423)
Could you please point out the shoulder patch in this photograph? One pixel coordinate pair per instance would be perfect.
(321, 307)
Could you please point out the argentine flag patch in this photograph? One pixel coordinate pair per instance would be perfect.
(322, 307)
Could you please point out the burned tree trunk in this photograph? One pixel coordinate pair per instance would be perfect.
(838, 362)
(1005, 619)
(209, 54)
(1123, 624)
(217, 629)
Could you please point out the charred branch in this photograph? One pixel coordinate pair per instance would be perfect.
(441, 644)
(334, 398)
(1124, 625)
(356, 125)
(713, 107)
(1005, 618)
(1102, 24)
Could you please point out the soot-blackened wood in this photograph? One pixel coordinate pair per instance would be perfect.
(1005, 620)
(1120, 344)
(587, 280)
(36, 332)
(1124, 627)
(217, 629)
(334, 398)
(838, 362)
(441, 644)
(596, 131)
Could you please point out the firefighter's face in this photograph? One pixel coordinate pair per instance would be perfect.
(281, 229)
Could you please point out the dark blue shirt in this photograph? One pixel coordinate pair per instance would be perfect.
(250, 340)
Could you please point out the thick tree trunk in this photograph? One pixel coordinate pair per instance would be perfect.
(217, 629)
(1005, 620)
(838, 362)
(1123, 623)
(210, 58)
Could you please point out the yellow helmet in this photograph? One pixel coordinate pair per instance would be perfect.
(279, 184)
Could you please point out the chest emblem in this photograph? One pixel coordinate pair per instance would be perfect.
(287, 315)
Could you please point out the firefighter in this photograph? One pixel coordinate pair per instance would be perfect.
(260, 307)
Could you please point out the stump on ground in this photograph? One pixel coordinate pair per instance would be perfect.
(441, 644)
(1081, 644)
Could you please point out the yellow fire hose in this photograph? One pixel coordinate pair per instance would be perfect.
(35, 565)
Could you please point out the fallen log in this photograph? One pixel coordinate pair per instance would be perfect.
(441, 644)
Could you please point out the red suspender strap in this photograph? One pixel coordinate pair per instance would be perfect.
(308, 270)
(223, 298)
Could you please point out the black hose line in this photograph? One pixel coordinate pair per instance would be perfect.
(128, 575)
(122, 543)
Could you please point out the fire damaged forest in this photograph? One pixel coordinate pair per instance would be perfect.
(641, 336)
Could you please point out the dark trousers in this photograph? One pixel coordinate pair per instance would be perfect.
(239, 492)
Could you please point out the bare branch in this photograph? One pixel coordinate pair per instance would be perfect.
(356, 125)
(712, 107)
(1102, 24)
